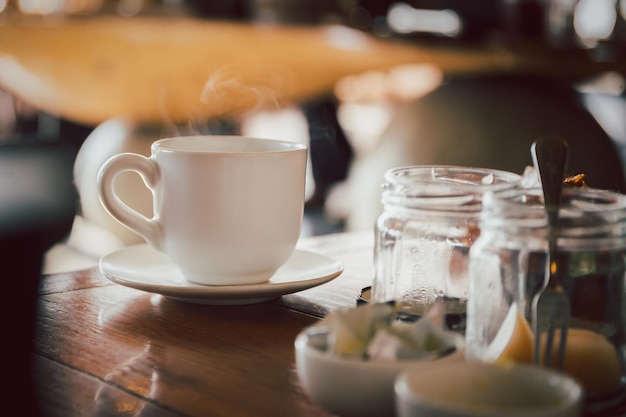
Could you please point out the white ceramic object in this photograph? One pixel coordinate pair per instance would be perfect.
(351, 387)
(105, 141)
(480, 389)
(227, 209)
(143, 268)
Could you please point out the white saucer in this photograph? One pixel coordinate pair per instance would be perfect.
(146, 269)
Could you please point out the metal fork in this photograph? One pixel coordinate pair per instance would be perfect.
(551, 305)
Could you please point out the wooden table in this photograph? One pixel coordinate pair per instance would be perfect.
(102, 349)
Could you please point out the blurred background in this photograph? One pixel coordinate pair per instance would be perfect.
(368, 85)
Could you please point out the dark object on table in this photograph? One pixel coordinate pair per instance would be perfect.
(37, 207)
(491, 122)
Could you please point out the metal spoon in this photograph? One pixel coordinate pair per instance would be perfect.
(551, 305)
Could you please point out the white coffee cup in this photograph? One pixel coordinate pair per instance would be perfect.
(227, 209)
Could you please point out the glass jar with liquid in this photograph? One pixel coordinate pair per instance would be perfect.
(423, 236)
(507, 267)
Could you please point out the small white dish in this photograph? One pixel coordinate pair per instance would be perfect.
(353, 387)
(481, 389)
(143, 268)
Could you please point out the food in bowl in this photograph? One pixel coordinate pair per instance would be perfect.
(347, 363)
(481, 389)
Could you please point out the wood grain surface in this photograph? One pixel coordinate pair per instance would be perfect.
(102, 349)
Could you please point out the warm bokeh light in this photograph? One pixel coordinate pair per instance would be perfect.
(130, 7)
(400, 83)
(595, 19)
(48, 7)
(345, 38)
(40, 6)
(403, 18)
(364, 124)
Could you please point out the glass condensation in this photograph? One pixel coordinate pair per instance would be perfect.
(507, 268)
(423, 236)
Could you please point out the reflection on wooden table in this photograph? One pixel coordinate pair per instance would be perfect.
(105, 349)
(102, 349)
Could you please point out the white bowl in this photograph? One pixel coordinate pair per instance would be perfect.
(351, 387)
(472, 389)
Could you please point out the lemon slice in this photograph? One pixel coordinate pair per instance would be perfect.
(514, 341)
(589, 356)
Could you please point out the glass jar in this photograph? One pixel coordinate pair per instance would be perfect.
(507, 267)
(422, 238)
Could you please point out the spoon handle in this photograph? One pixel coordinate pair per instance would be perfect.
(551, 305)
(549, 155)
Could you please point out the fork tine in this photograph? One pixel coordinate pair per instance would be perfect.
(550, 314)
(548, 352)
(537, 329)
(563, 338)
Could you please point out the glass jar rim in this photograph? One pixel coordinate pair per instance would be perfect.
(444, 187)
(434, 180)
(579, 200)
(585, 213)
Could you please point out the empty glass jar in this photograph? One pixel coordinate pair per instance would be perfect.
(507, 268)
(423, 236)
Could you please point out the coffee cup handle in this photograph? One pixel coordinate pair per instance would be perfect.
(147, 168)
